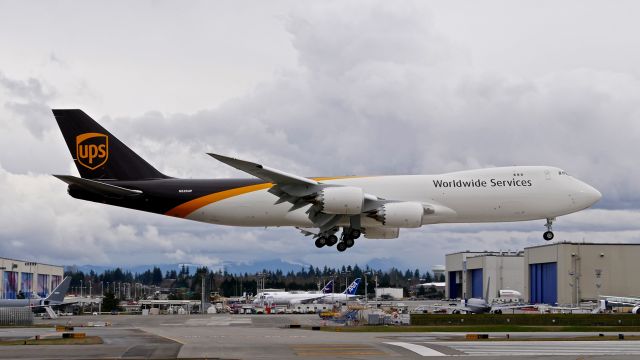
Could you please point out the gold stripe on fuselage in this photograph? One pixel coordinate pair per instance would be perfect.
(184, 209)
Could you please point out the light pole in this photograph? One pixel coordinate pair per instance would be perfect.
(366, 289)
(346, 279)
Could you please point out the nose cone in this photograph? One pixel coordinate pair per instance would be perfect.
(588, 195)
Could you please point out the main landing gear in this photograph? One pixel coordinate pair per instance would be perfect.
(329, 240)
(347, 239)
(548, 235)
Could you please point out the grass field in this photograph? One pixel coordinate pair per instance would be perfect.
(483, 328)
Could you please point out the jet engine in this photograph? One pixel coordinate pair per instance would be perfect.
(636, 310)
(346, 200)
(381, 233)
(401, 214)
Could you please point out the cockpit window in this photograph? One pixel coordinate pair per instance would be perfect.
(562, 172)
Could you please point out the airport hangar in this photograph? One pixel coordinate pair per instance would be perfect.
(557, 273)
(30, 278)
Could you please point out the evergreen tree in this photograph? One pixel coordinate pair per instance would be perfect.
(109, 302)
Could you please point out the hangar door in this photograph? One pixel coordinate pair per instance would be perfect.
(543, 283)
(455, 287)
(476, 283)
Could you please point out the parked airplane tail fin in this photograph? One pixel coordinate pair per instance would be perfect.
(57, 295)
(328, 288)
(98, 154)
(351, 290)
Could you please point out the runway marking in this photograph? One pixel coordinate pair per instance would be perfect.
(418, 349)
(548, 348)
(332, 350)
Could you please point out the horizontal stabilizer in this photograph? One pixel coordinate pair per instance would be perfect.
(98, 187)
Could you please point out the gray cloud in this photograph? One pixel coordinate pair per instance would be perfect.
(377, 89)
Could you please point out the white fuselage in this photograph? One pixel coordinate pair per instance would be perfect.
(517, 193)
(286, 297)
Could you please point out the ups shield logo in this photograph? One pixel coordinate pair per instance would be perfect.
(92, 150)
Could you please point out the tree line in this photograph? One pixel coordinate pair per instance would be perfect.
(185, 284)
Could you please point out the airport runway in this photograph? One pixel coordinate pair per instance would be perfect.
(264, 337)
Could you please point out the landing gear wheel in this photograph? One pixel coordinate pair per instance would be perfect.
(321, 241)
(355, 233)
(548, 235)
(349, 242)
(332, 240)
(341, 246)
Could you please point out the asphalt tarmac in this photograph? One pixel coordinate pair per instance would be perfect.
(225, 336)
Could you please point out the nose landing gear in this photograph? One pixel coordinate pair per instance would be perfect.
(548, 235)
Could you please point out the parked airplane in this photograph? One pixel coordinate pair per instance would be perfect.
(292, 297)
(475, 305)
(607, 300)
(56, 298)
(376, 206)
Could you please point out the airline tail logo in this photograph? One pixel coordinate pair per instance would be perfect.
(328, 288)
(92, 150)
(351, 290)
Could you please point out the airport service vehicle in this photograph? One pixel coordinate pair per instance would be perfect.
(376, 206)
(56, 298)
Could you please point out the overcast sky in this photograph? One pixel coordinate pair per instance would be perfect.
(314, 88)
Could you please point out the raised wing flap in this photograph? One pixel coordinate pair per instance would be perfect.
(265, 173)
(98, 187)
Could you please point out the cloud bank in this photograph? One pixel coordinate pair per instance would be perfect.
(362, 89)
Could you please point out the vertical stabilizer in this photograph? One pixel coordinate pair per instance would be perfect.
(97, 153)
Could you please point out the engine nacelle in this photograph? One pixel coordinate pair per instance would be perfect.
(636, 310)
(346, 200)
(401, 214)
(381, 233)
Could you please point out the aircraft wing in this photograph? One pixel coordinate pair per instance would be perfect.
(301, 191)
(312, 299)
(509, 307)
(265, 173)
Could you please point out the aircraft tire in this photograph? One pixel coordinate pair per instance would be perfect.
(332, 240)
(548, 235)
(355, 234)
(341, 246)
(320, 242)
(349, 242)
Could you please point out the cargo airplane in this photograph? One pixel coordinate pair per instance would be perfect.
(376, 206)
